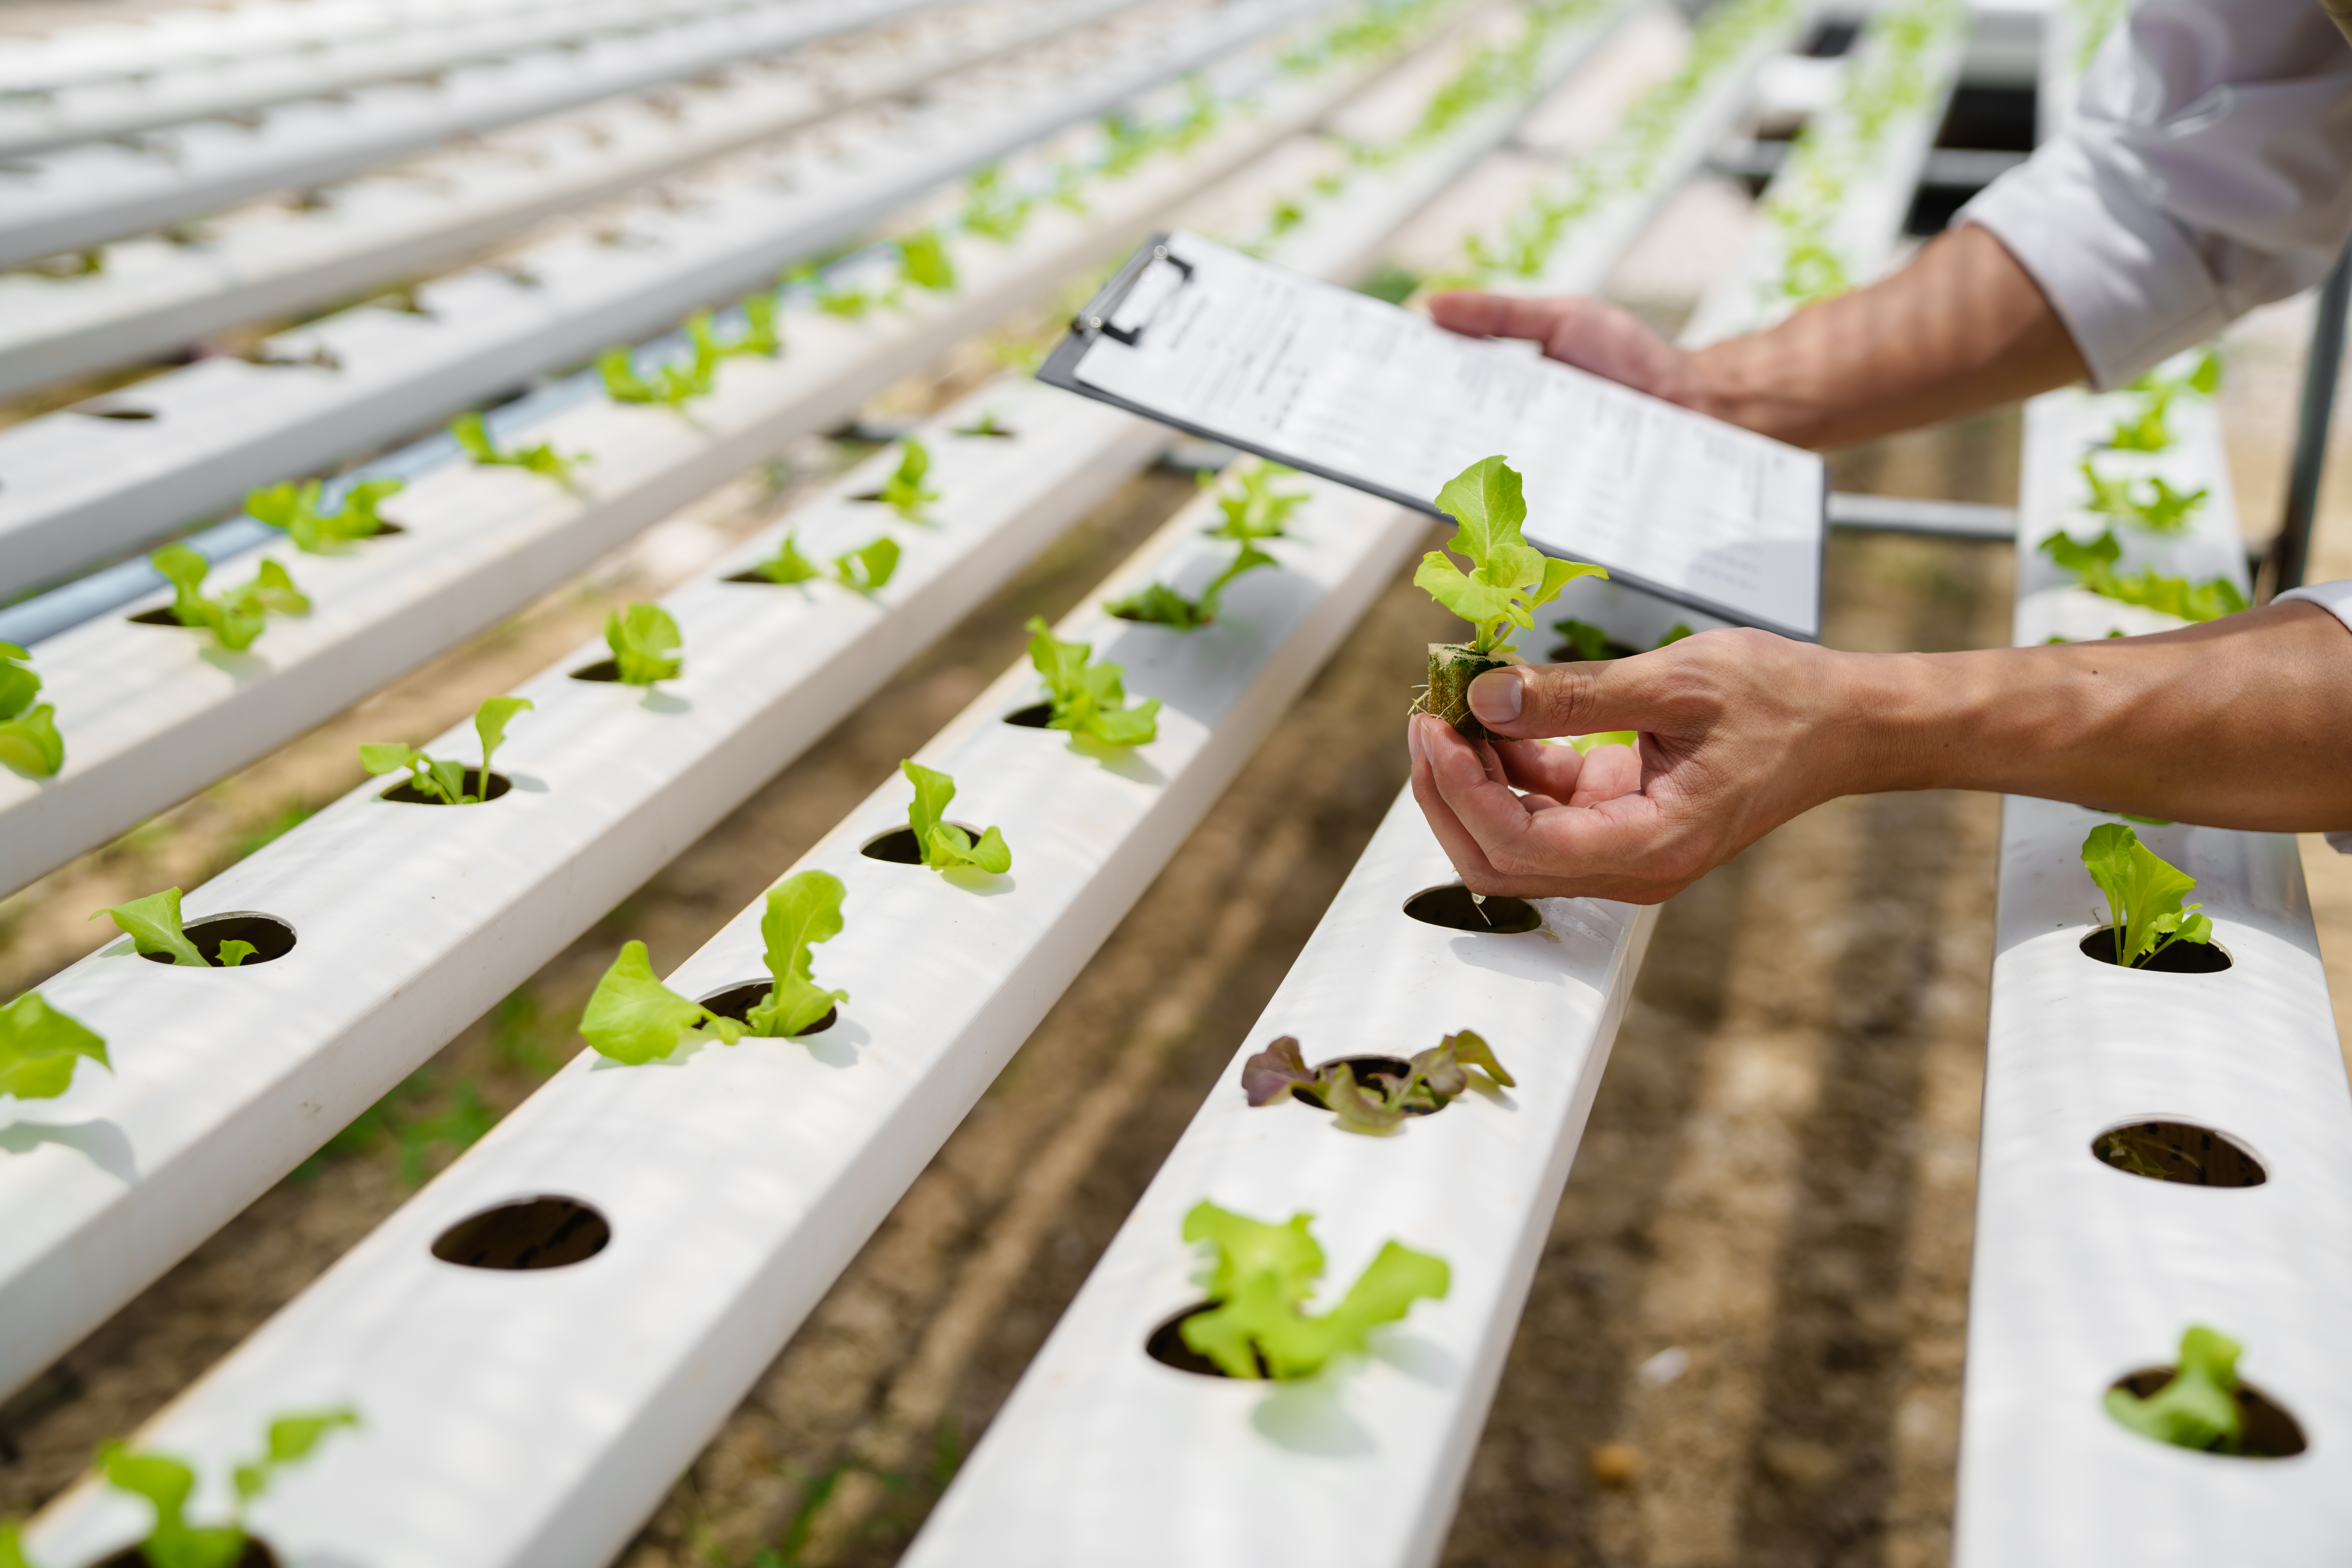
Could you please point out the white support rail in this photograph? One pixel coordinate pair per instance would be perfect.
(147, 719)
(88, 481)
(78, 197)
(61, 114)
(544, 1414)
(151, 295)
(1105, 1455)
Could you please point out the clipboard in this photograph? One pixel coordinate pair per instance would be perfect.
(1748, 559)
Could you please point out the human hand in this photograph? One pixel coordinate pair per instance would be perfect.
(1585, 333)
(1741, 730)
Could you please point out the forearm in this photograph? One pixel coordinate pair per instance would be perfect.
(1962, 328)
(2244, 722)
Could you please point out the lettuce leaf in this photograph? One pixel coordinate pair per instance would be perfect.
(2199, 1408)
(2093, 566)
(289, 1440)
(153, 925)
(474, 437)
(788, 565)
(166, 1483)
(644, 640)
(295, 509)
(903, 492)
(867, 568)
(1509, 579)
(237, 617)
(923, 260)
(1087, 698)
(29, 741)
(804, 911)
(944, 844)
(39, 1045)
(632, 1017)
(1163, 606)
(1257, 511)
(442, 779)
(2143, 895)
(1261, 1279)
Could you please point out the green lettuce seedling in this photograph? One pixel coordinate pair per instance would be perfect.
(2166, 509)
(761, 337)
(39, 1045)
(903, 492)
(2144, 893)
(1507, 582)
(443, 781)
(1162, 605)
(236, 618)
(644, 641)
(1259, 1283)
(923, 261)
(675, 384)
(945, 846)
(295, 509)
(1088, 698)
(2199, 1408)
(153, 925)
(988, 423)
(1377, 1103)
(2093, 567)
(1257, 511)
(992, 209)
(635, 1019)
(2146, 431)
(787, 565)
(867, 568)
(29, 741)
(474, 437)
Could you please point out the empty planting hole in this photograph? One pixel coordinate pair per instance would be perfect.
(1036, 716)
(1450, 906)
(1364, 1067)
(257, 1554)
(2179, 1151)
(2270, 1433)
(133, 415)
(898, 846)
(1167, 1347)
(530, 1233)
(2180, 958)
(736, 1002)
(270, 937)
(409, 794)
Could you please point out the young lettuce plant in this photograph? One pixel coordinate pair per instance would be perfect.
(1509, 581)
(237, 617)
(2146, 431)
(788, 565)
(992, 209)
(295, 509)
(1088, 698)
(923, 261)
(645, 643)
(867, 568)
(39, 1045)
(2144, 891)
(153, 925)
(674, 385)
(1432, 1081)
(2199, 1408)
(633, 1018)
(474, 436)
(442, 782)
(944, 845)
(29, 741)
(2093, 567)
(903, 492)
(1162, 605)
(1257, 511)
(2166, 510)
(1258, 1285)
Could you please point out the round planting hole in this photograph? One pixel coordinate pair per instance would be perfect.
(1167, 1347)
(1036, 716)
(271, 937)
(602, 669)
(530, 1233)
(162, 617)
(2179, 1151)
(2180, 958)
(1364, 1067)
(737, 1001)
(1450, 906)
(257, 1554)
(2270, 1432)
(409, 794)
(757, 579)
(898, 846)
(133, 415)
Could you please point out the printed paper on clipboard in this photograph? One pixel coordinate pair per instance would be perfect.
(1337, 384)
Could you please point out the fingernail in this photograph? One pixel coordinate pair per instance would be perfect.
(1412, 737)
(1494, 697)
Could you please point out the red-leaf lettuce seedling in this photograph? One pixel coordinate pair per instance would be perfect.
(2093, 566)
(153, 925)
(635, 1019)
(945, 846)
(1380, 1101)
(29, 741)
(38, 1048)
(2199, 1408)
(236, 618)
(644, 641)
(1259, 1283)
(295, 509)
(1088, 698)
(1509, 581)
(474, 436)
(2144, 893)
(442, 782)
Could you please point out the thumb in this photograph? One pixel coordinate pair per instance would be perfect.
(1526, 701)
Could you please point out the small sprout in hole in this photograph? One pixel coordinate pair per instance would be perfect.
(296, 509)
(2199, 1408)
(38, 1048)
(635, 1019)
(1259, 1284)
(903, 492)
(1088, 698)
(474, 437)
(1509, 581)
(991, 210)
(29, 741)
(153, 925)
(2166, 509)
(849, 303)
(945, 846)
(444, 783)
(235, 618)
(1163, 606)
(867, 568)
(787, 565)
(2093, 567)
(2143, 893)
(675, 384)
(1432, 1081)
(1257, 511)
(645, 643)
(988, 423)
(923, 261)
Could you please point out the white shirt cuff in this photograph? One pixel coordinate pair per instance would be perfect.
(2335, 598)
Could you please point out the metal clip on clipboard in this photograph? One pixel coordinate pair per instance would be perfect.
(1130, 302)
